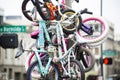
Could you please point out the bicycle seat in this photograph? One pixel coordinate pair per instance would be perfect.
(34, 34)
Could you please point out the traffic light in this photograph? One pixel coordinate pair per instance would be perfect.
(107, 61)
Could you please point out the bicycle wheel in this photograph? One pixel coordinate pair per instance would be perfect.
(99, 26)
(31, 10)
(85, 57)
(31, 58)
(28, 9)
(46, 14)
(76, 70)
(98, 43)
(53, 72)
(74, 22)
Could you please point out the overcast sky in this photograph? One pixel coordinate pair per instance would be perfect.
(111, 9)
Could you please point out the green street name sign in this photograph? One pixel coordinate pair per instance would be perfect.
(12, 28)
(110, 53)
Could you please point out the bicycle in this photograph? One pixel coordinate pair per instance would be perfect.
(71, 61)
(44, 66)
(45, 9)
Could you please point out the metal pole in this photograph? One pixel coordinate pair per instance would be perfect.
(101, 7)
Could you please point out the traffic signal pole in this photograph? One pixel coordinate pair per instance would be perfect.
(101, 58)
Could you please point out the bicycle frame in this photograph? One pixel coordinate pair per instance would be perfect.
(68, 54)
(42, 30)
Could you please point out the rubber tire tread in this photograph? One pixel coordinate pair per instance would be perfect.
(35, 63)
(24, 3)
(80, 66)
(104, 34)
(83, 60)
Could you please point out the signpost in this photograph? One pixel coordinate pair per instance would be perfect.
(12, 28)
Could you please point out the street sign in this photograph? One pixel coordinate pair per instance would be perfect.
(110, 53)
(12, 28)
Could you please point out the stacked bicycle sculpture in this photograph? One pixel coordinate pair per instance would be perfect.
(53, 58)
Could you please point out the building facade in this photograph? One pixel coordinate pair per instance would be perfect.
(12, 68)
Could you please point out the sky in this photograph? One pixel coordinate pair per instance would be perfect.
(11, 7)
(111, 9)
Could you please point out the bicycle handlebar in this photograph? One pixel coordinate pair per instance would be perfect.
(77, 1)
(85, 11)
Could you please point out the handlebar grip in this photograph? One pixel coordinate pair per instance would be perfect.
(89, 12)
(83, 11)
(77, 1)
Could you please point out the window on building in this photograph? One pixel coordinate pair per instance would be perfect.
(1, 20)
(5, 70)
(24, 76)
(17, 76)
(96, 51)
(13, 17)
(10, 73)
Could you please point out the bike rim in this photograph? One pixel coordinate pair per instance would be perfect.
(69, 28)
(104, 28)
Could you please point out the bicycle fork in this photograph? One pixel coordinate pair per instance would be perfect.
(43, 70)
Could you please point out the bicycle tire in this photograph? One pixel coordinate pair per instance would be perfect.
(72, 27)
(38, 76)
(24, 10)
(98, 43)
(30, 59)
(79, 68)
(39, 10)
(88, 65)
(104, 26)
